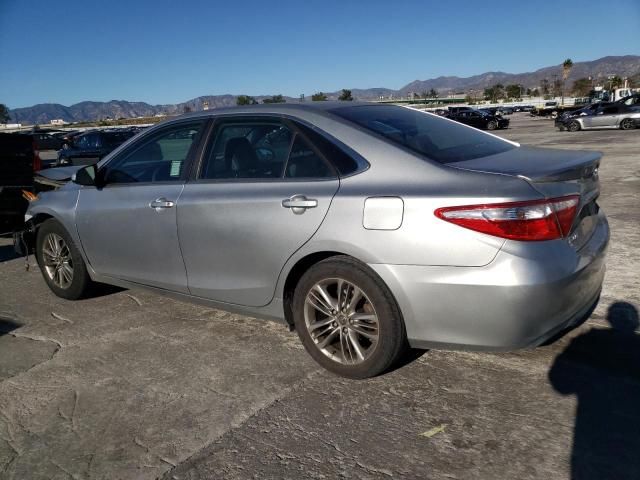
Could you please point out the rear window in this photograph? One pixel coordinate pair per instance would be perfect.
(436, 138)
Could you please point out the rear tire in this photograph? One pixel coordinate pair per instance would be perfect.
(573, 126)
(61, 263)
(347, 319)
(492, 125)
(627, 124)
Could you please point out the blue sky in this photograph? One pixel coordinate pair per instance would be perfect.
(168, 51)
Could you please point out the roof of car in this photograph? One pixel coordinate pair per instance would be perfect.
(278, 108)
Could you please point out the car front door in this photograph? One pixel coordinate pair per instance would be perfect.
(262, 191)
(604, 117)
(128, 226)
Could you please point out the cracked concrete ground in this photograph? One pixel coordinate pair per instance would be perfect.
(133, 385)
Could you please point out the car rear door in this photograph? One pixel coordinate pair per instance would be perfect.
(261, 192)
(128, 227)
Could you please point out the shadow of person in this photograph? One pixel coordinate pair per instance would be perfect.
(602, 368)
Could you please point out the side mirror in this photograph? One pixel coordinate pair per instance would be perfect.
(86, 176)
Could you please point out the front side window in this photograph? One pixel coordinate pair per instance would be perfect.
(429, 135)
(160, 158)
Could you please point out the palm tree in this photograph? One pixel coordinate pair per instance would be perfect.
(567, 65)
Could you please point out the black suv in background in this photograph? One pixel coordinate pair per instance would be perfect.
(89, 147)
(480, 119)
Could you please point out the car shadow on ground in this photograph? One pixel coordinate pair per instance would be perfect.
(602, 369)
(7, 325)
(7, 253)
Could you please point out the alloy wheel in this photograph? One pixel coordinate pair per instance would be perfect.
(341, 321)
(57, 260)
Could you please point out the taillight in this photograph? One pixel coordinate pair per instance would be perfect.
(37, 162)
(528, 221)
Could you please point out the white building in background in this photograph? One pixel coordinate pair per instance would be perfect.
(57, 121)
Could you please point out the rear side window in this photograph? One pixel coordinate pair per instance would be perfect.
(436, 138)
(342, 161)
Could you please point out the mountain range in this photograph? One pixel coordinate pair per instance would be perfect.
(623, 66)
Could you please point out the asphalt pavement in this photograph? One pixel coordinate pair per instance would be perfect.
(133, 385)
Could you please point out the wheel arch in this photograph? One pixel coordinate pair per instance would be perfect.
(295, 273)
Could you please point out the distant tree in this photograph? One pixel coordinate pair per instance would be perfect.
(245, 100)
(469, 99)
(534, 93)
(529, 91)
(581, 87)
(615, 82)
(345, 96)
(4, 113)
(513, 91)
(433, 93)
(274, 99)
(424, 94)
(318, 97)
(557, 88)
(494, 93)
(544, 85)
(567, 65)
(186, 109)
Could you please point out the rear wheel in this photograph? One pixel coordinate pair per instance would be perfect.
(347, 319)
(573, 126)
(492, 125)
(627, 124)
(60, 261)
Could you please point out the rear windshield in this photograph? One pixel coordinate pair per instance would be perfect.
(436, 138)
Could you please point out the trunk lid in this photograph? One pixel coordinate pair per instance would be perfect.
(553, 173)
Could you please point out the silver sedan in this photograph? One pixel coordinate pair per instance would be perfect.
(367, 228)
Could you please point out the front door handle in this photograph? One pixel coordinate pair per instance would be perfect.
(299, 203)
(160, 203)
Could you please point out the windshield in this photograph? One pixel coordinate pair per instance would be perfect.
(436, 138)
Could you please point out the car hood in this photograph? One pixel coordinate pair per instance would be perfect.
(59, 174)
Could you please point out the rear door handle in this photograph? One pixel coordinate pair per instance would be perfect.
(160, 203)
(299, 203)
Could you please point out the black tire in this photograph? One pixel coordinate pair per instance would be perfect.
(627, 124)
(492, 125)
(392, 340)
(573, 126)
(80, 283)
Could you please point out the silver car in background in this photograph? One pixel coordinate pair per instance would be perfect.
(368, 228)
(606, 116)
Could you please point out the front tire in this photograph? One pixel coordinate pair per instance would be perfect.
(492, 125)
(627, 124)
(61, 264)
(347, 319)
(573, 126)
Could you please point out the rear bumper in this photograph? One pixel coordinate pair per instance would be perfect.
(530, 292)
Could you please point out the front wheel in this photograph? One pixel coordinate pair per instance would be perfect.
(573, 126)
(627, 124)
(61, 264)
(492, 125)
(347, 319)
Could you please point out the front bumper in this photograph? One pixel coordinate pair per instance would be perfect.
(530, 292)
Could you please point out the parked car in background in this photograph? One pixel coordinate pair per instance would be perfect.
(361, 226)
(480, 119)
(46, 140)
(563, 120)
(18, 161)
(88, 148)
(604, 116)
